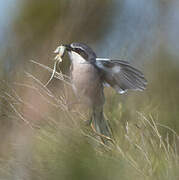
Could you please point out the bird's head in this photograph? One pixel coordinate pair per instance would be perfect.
(82, 50)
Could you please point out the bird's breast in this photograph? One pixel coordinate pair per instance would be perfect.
(86, 81)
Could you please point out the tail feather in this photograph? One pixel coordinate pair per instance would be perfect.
(101, 125)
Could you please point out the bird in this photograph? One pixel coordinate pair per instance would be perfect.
(90, 74)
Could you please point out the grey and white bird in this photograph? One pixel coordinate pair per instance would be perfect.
(89, 76)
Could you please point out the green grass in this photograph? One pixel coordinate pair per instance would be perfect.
(54, 142)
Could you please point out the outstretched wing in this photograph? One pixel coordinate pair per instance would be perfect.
(121, 75)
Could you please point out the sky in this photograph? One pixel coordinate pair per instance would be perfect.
(137, 20)
(7, 10)
(135, 25)
(173, 33)
(138, 24)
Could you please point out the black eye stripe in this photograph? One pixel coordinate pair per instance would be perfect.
(81, 52)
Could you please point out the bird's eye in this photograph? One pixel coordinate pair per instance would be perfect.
(81, 53)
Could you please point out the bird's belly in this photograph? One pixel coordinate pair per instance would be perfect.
(87, 84)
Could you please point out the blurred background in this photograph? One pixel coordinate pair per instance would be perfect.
(39, 138)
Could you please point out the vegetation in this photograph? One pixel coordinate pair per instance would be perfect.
(56, 143)
(43, 137)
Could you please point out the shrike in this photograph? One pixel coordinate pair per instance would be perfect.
(89, 76)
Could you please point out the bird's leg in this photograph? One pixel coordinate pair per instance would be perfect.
(89, 121)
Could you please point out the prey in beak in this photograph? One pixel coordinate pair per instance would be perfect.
(60, 51)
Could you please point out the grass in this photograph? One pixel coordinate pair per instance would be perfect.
(49, 141)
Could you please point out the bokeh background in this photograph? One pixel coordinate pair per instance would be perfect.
(39, 138)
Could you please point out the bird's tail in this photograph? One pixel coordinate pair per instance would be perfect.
(100, 125)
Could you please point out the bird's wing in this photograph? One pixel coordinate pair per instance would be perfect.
(120, 75)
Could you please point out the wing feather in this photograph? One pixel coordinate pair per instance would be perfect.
(121, 75)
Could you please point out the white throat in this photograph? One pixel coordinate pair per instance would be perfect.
(76, 58)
